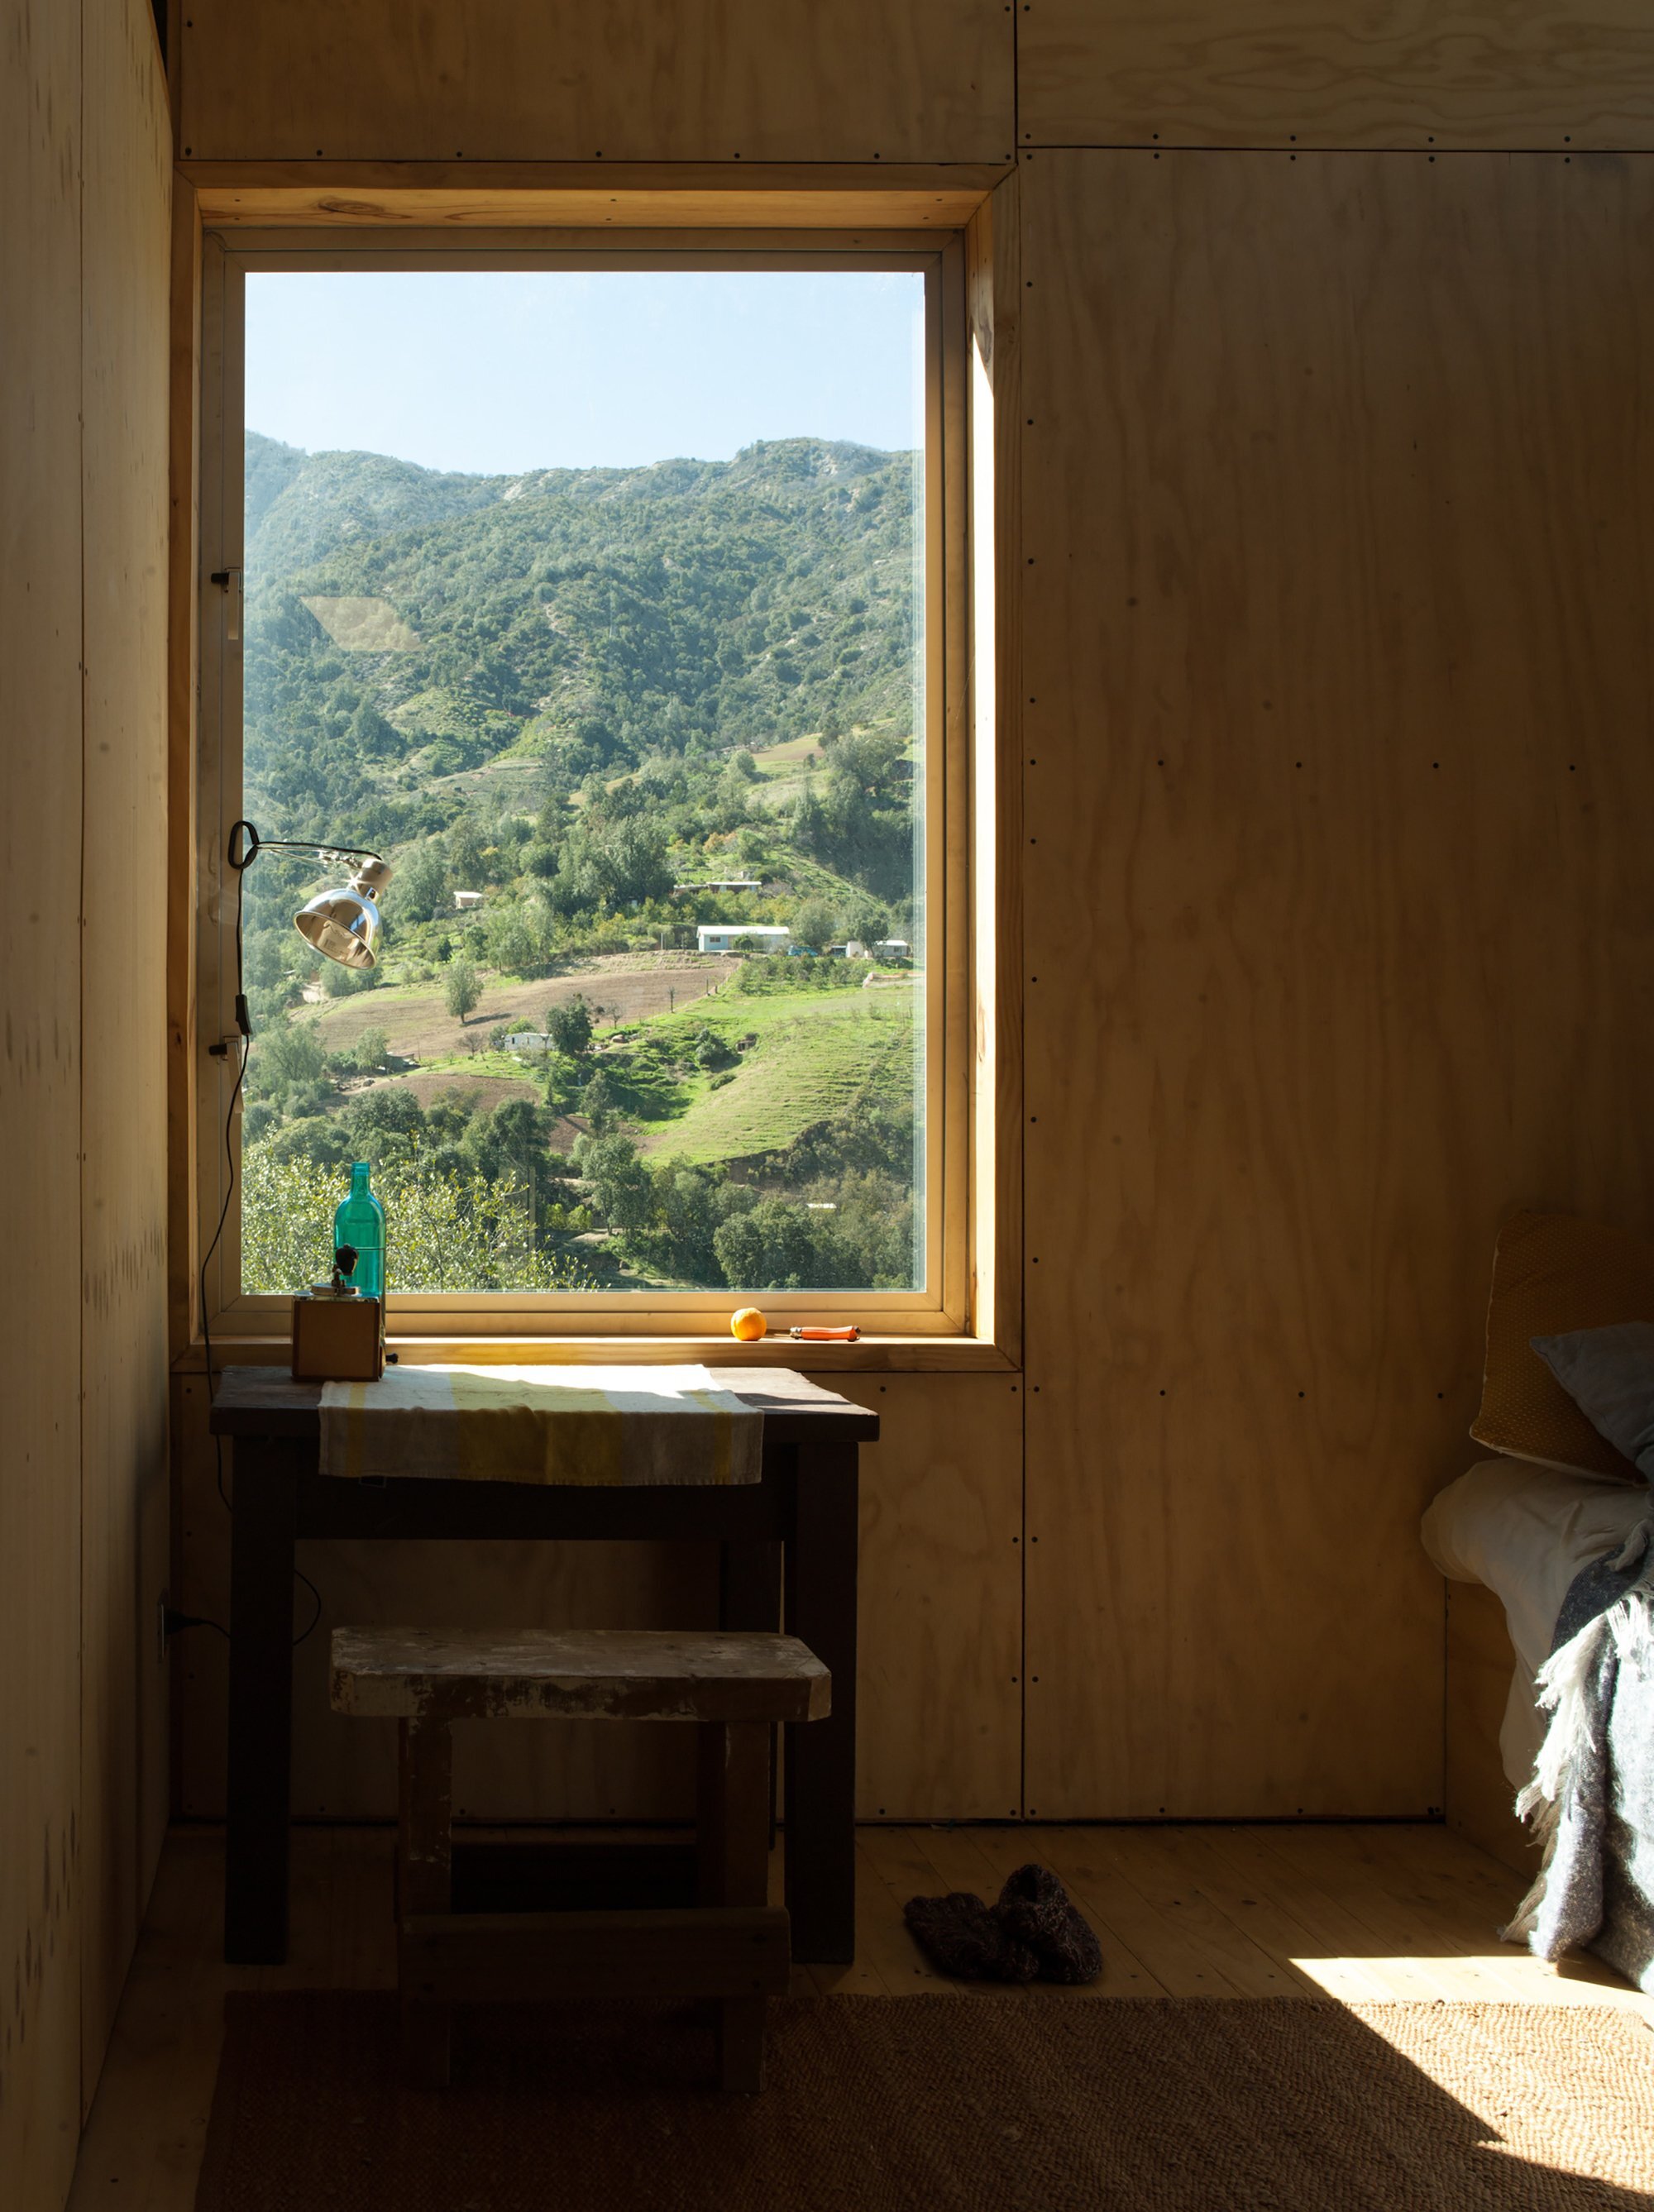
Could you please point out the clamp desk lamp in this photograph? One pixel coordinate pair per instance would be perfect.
(343, 925)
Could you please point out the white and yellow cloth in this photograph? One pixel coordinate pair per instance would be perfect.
(615, 1426)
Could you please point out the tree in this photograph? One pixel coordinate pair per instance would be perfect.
(598, 1099)
(338, 982)
(467, 865)
(418, 885)
(371, 734)
(512, 942)
(617, 864)
(770, 1248)
(460, 988)
(291, 1052)
(619, 1182)
(813, 924)
(711, 1052)
(867, 922)
(569, 1025)
(506, 1143)
(370, 1050)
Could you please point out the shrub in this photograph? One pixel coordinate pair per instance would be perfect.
(461, 988)
(445, 1230)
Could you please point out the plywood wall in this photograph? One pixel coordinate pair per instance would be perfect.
(634, 81)
(82, 449)
(39, 1094)
(1337, 497)
(1311, 73)
(124, 1484)
(1321, 489)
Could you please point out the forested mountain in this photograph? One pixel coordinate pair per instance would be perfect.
(567, 704)
(588, 618)
(300, 506)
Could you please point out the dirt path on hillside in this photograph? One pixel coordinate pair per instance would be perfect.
(627, 986)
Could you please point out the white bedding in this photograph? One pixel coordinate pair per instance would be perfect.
(1526, 1531)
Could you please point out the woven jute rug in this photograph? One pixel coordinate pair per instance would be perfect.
(942, 2105)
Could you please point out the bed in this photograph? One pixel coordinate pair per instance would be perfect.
(1560, 1530)
(1526, 1532)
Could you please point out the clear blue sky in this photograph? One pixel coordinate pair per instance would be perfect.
(496, 372)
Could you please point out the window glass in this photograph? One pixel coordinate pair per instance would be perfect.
(595, 602)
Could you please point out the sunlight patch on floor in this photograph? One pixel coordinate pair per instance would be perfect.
(1501, 1974)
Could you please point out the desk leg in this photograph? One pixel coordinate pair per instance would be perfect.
(821, 1597)
(260, 1793)
(749, 1597)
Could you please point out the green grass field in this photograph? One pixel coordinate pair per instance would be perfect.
(816, 1052)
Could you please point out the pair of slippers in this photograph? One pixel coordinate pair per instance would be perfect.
(1035, 1933)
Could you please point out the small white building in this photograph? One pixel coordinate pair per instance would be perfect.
(724, 936)
(466, 900)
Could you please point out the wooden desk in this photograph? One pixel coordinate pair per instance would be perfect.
(793, 1532)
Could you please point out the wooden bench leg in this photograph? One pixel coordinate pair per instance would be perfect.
(424, 1869)
(732, 1845)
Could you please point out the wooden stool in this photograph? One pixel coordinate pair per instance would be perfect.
(733, 1945)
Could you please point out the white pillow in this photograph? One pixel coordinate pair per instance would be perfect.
(1525, 1531)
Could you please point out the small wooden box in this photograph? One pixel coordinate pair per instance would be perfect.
(337, 1338)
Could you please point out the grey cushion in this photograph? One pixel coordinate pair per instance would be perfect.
(1609, 1375)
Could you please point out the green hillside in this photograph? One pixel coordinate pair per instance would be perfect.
(587, 618)
(815, 1056)
(586, 696)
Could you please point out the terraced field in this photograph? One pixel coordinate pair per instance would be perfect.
(815, 1052)
(418, 1025)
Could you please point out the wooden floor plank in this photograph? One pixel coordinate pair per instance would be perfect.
(1440, 1888)
(1267, 1922)
(1456, 1960)
(1322, 1903)
(893, 1874)
(1160, 1866)
(1359, 1913)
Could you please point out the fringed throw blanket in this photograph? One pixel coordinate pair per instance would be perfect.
(1591, 1797)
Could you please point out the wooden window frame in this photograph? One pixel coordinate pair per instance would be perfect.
(969, 1315)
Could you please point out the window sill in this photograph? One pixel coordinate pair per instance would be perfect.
(870, 1354)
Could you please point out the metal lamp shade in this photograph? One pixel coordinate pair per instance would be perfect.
(343, 926)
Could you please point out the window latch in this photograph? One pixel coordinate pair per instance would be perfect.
(230, 581)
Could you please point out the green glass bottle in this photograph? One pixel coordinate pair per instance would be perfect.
(359, 1222)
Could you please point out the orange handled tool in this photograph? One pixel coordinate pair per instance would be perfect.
(827, 1335)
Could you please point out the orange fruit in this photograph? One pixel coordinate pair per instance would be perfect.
(747, 1325)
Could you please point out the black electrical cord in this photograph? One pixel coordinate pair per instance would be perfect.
(245, 1027)
(252, 846)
